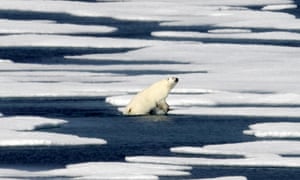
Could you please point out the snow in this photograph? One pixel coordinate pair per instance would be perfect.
(34, 40)
(215, 78)
(279, 7)
(227, 178)
(275, 130)
(198, 66)
(226, 35)
(238, 111)
(255, 154)
(227, 103)
(103, 170)
(5, 61)
(247, 149)
(229, 31)
(19, 131)
(28, 123)
(48, 27)
(259, 19)
(169, 12)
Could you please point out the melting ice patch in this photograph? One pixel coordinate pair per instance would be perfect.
(255, 154)
(276, 130)
(227, 178)
(28, 123)
(103, 170)
(48, 27)
(279, 7)
(5, 61)
(226, 103)
(18, 131)
(226, 13)
(231, 72)
(110, 170)
(231, 35)
(69, 41)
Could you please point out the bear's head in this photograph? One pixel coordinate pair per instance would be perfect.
(172, 81)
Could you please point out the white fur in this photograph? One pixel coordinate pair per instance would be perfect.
(152, 100)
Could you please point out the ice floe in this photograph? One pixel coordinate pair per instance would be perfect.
(28, 123)
(225, 35)
(216, 79)
(238, 111)
(279, 7)
(229, 31)
(18, 131)
(5, 61)
(103, 170)
(256, 154)
(187, 13)
(225, 178)
(275, 130)
(37, 40)
(199, 66)
(227, 103)
(48, 27)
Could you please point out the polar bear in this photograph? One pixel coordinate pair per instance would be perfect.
(152, 100)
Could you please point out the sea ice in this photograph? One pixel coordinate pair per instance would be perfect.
(225, 35)
(37, 40)
(169, 12)
(215, 79)
(5, 61)
(225, 178)
(256, 154)
(104, 170)
(28, 123)
(275, 130)
(18, 131)
(279, 7)
(48, 27)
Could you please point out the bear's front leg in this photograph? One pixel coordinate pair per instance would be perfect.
(162, 105)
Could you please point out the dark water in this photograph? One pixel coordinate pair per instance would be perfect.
(130, 136)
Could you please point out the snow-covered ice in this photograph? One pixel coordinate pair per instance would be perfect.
(48, 27)
(28, 123)
(275, 130)
(226, 178)
(226, 35)
(103, 170)
(227, 79)
(37, 40)
(256, 154)
(279, 7)
(19, 131)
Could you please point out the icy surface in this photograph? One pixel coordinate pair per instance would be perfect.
(48, 27)
(69, 41)
(226, 35)
(237, 75)
(279, 7)
(227, 178)
(103, 170)
(18, 131)
(276, 130)
(28, 123)
(256, 154)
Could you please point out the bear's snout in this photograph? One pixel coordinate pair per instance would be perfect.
(176, 79)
